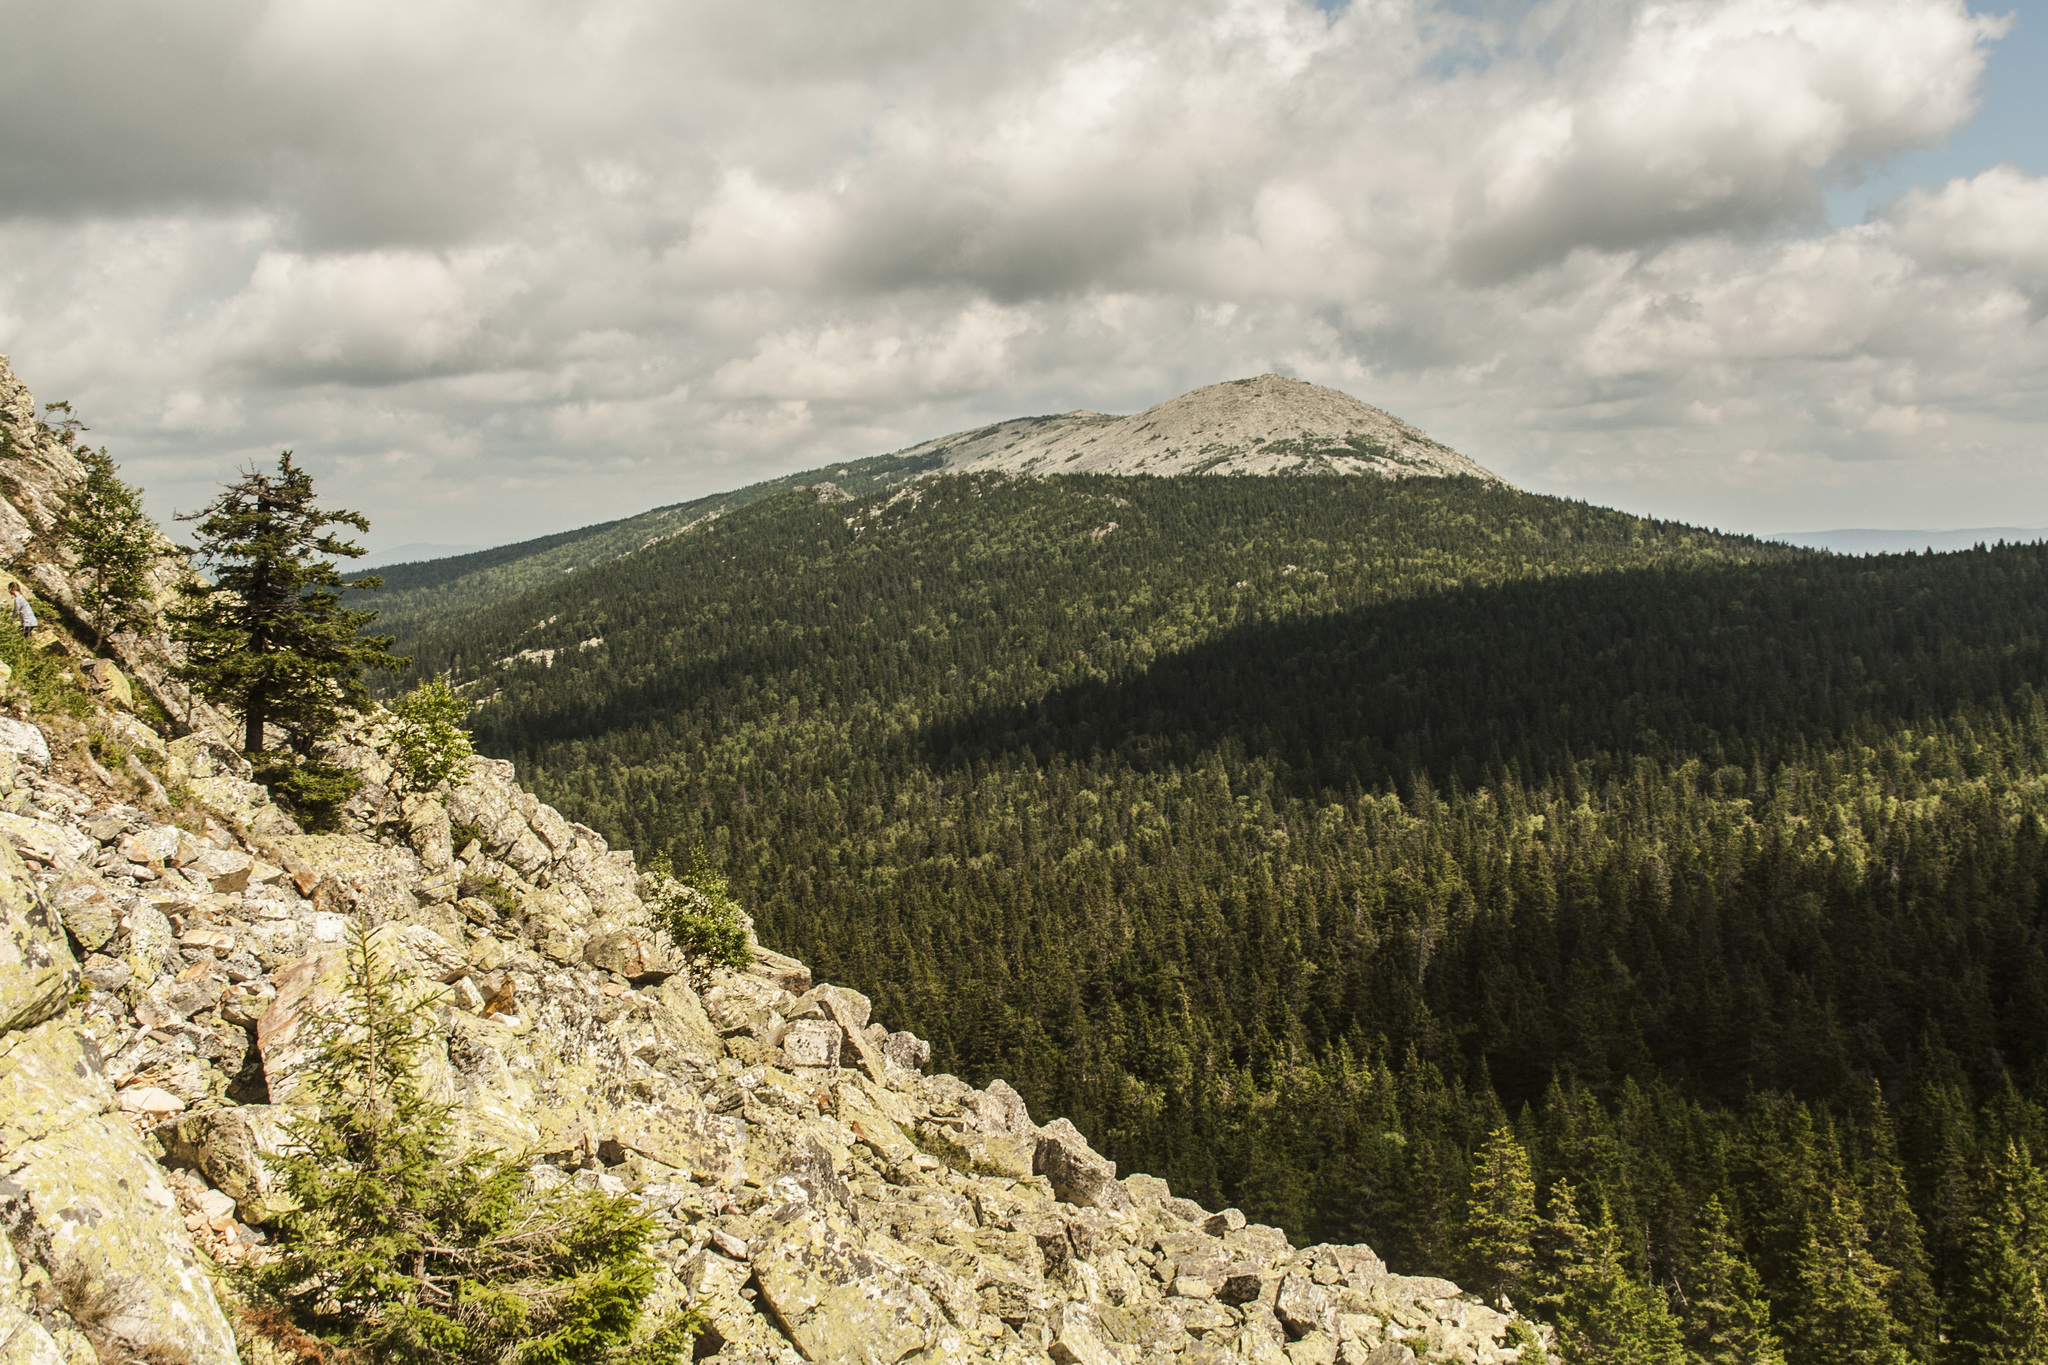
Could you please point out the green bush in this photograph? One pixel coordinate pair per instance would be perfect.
(401, 1248)
(428, 743)
(492, 892)
(42, 674)
(313, 791)
(704, 921)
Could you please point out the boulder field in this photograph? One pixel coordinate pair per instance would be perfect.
(820, 1196)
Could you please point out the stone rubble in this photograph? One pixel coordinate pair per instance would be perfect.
(820, 1197)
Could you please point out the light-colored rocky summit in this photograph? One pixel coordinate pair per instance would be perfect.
(1267, 425)
(166, 933)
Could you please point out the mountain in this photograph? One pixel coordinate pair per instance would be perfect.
(415, 552)
(1266, 425)
(173, 947)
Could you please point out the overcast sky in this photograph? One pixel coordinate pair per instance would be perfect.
(500, 267)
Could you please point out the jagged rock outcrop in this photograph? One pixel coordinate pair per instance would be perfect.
(37, 467)
(166, 932)
(1265, 425)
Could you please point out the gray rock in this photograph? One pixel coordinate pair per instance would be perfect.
(88, 912)
(1077, 1174)
(228, 1147)
(23, 739)
(1304, 1306)
(640, 955)
(37, 971)
(908, 1051)
(812, 1043)
(1217, 1224)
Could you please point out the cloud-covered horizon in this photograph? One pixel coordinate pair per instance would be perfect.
(500, 269)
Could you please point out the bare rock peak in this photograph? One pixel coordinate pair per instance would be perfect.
(1267, 424)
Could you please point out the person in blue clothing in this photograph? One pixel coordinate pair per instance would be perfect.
(24, 614)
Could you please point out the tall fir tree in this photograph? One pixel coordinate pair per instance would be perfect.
(2001, 1313)
(269, 635)
(102, 521)
(1500, 1220)
(1727, 1318)
(1840, 1293)
(1603, 1313)
(1896, 1239)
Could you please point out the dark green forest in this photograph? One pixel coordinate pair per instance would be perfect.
(1324, 844)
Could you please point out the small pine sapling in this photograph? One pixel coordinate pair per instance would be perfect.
(401, 1247)
(428, 744)
(704, 921)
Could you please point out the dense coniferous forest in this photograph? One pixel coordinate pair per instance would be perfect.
(1332, 846)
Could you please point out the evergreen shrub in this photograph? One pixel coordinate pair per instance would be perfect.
(704, 921)
(401, 1247)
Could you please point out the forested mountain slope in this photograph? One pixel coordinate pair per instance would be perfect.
(1264, 425)
(437, 588)
(1292, 834)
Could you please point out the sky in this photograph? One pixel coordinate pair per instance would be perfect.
(498, 269)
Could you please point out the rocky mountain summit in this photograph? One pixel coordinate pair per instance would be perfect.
(1266, 425)
(169, 933)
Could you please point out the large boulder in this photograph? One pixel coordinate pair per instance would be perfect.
(1077, 1174)
(37, 971)
(842, 1296)
(78, 1188)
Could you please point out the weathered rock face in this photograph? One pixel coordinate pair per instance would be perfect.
(819, 1197)
(40, 468)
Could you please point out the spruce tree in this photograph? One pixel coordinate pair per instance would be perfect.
(1843, 1317)
(1603, 1313)
(102, 521)
(269, 636)
(2001, 1315)
(401, 1248)
(1727, 1318)
(1500, 1221)
(1896, 1240)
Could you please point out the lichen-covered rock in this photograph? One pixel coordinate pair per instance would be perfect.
(228, 1147)
(841, 1295)
(77, 1186)
(640, 955)
(37, 971)
(1078, 1175)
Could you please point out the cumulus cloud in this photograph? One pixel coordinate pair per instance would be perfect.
(498, 268)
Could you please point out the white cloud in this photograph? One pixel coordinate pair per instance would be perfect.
(523, 264)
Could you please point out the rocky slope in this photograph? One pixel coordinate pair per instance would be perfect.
(1266, 425)
(168, 932)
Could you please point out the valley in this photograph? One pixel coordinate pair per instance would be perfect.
(1293, 834)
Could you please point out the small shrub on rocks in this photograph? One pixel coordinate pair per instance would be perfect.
(703, 920)
(428, 743)
(403, 1248)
